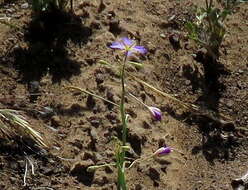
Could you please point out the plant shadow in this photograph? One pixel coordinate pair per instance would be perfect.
(208, 82)
(218, 142)
(47, 37)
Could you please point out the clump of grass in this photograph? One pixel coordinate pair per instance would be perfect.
(39, 6)
(13, 124)
(209, 30)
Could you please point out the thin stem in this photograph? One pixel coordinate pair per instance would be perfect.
(92, 168)
(87, 92)
(138, 100)
(122, 106)
(121, 155)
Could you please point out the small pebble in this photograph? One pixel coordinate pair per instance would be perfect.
(24, 6)
(162, 36)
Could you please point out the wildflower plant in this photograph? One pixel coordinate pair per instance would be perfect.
(128, 47)
(209, 30)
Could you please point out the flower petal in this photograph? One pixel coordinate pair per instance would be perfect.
(156, 113)
(163, 151)
(129, 53)
(127, 42)
(140, 49)
(117, 45)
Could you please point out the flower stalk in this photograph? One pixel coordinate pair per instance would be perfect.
(121, 155)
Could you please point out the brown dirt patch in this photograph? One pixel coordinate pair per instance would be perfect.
(39, 59)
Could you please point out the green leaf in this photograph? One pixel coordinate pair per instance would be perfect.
(136, 64)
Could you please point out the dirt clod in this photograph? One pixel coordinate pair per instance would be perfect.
(154, 174)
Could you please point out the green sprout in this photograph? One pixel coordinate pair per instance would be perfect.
(39, 6)
(208, 30)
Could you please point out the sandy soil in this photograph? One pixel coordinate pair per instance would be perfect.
(39, 58)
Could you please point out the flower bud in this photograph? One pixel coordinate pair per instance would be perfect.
(163, 151)
(156, 113)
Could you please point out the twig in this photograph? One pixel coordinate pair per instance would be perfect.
(92, 94)
(196, 109)
(25, 174)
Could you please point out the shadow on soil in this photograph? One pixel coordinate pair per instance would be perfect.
(218, 141)
(217, 138)
(209, 83)
(47, 36)
(19, 152)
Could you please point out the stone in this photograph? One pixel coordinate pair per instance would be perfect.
(162, 36)
(24, 5)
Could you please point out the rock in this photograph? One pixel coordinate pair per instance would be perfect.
(93, 134)
(187, 82)
(24, 6)
(162, 36)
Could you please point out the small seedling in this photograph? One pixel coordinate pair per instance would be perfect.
(209, 30)
(39, 6)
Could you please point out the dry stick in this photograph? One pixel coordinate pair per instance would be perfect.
(25, 174)
(92, 94)
(188, 106)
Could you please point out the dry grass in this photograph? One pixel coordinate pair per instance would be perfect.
(13, 124)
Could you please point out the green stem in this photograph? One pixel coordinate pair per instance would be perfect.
(122, 106)
(121, 163)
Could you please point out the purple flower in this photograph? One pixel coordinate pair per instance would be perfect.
(128, 46)
(156, 113)
(163, 151)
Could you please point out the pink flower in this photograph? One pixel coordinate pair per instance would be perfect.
(156, 113)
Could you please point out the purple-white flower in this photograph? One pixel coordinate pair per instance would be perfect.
(156, 113)
(128, 46)
(163, 151)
